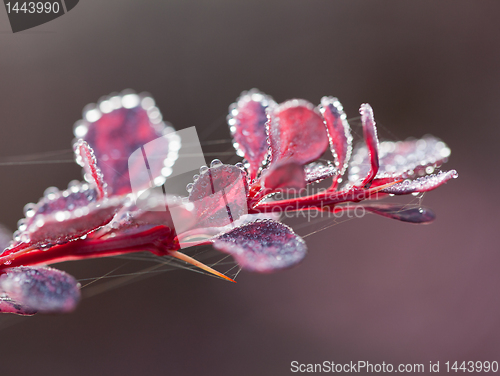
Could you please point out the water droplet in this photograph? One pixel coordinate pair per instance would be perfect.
(60, 216)
(8, 262)
(216, 163)
(29, 210)
(50, 191)
(196, 177)
(189, 187)
(16, 235)
(203, 169)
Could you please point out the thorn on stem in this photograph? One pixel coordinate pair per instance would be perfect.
(192, 261)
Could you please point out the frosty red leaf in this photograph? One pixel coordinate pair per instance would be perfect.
(38, 289)
(116, 127)
(296, 131)
(247, 123)
(263, 246)
(371, 139)
(423, 184)
(339, 133)
(219, 195)
(401, 160)
(61, 216)
(152, 209)
(85, 157)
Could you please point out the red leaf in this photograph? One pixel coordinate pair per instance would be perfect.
(423, 184)
(401, 160)
(152, 209)
(403, 213)
(85, 157)
(61, 216)
(296, 131)
(39, 289)
(339, 133)
(247, 121)
(285, 175)
(115, 128)
(318, 171)
(263, 246)
(371, 140)
(219, 195)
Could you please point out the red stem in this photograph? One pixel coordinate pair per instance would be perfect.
(319, 201)
(158, 240)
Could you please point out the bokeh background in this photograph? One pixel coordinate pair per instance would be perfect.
(370, 289)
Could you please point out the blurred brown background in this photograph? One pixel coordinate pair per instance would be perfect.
(370, 289)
